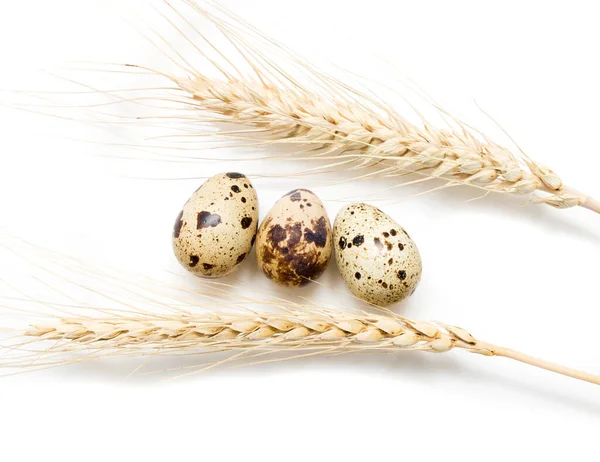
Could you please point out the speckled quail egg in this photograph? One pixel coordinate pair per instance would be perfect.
(216, 229)
(378, 260)
(294, 241)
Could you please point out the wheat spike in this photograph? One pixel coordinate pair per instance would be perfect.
(280, 99)
(234, 330)
(258, 334)
(358, 134)
(108, 313)
(342, 124)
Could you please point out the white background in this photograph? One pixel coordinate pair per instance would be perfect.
(521, 276)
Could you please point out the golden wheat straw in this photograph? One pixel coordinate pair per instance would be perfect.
(109, 313)
(298, 105)
(324, 332)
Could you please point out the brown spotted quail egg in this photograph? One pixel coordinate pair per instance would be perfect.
(216, 229)
(378, 260)
(293, 245)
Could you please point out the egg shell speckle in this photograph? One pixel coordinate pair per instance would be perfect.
(294, 241)
(216, 229)
(377, 259)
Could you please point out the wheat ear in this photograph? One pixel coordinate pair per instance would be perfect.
(261, 333)
(107, 312)
(298, 105)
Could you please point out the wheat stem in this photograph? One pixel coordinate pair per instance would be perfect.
(591, 204)
(543, 364)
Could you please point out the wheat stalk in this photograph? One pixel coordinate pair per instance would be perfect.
(262, 333)
(358, 134)
(107, 312)
(341, 123)
(283, 100)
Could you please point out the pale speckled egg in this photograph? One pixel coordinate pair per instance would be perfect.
(294, 241)
(376, 257)
(216, 229)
